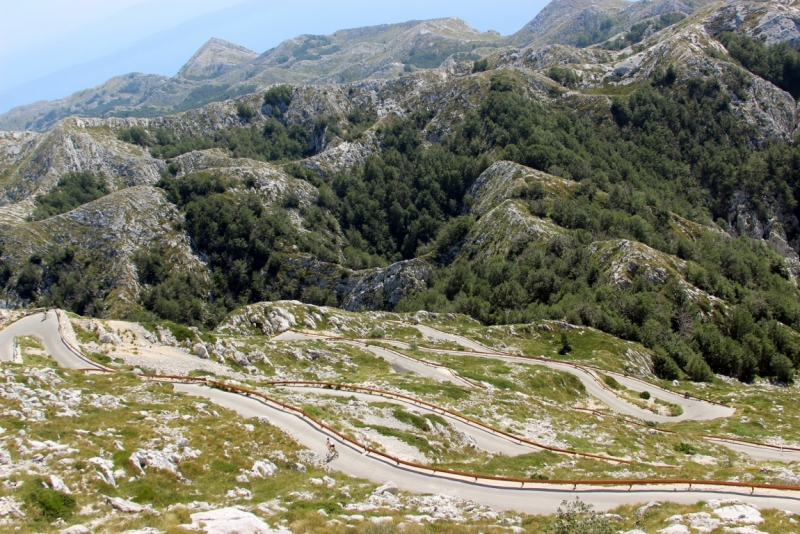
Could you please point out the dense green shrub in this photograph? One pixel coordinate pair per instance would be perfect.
(275, 142)
(480, 65)
(566, 344)
(48, 504)
(5, 270)
(778, 63)
(564, 76)
(244, 111)
(72, 190)
(135, 135)
(279, 97)
(782, 368)
(698, 370)
(665, 367)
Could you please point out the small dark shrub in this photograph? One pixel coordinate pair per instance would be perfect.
(48, 503)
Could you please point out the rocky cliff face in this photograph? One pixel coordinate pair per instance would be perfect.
(106, 233)
(34, 163)
(773, 21)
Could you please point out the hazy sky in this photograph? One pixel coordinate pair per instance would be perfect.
(51, 48)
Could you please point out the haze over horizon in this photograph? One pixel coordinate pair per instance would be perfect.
(91, 41)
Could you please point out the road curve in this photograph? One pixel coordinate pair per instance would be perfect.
(484, 439)
(44, 327)
(399, 362)
(693, 409)
(533, 500)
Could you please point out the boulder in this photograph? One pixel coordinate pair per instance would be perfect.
(76, 529)
(105, 467)
(389, 487)
(740, 513)
(165, 460)
(128, 507)
(229, 521)
(263, 469)
(642, 510)
(9, 507)
(201, 351)
(109, 338)
(57, 484)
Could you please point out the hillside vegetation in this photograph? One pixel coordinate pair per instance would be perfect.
(662, 210)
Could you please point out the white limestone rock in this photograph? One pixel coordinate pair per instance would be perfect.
(105, 469)
(125, 506)
(263, 469)
(201, 351)
(389, 487)
(740, 513)
(58, 484)
(231, 521)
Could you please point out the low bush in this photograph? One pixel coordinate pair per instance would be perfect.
(47, 503)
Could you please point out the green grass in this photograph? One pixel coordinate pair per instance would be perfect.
(611, 382)
(83, 335)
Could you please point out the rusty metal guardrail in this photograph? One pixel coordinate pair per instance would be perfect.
(436, 408)
(75, 350)
(491, 350)
(361, 342)
(451, 473)
(474, 477)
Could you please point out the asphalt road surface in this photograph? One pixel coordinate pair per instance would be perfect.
(46, 329)
(534, 500)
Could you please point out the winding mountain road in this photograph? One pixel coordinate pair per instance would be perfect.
(544, 499)
(484, 439)
(44, 327)
(693, 409)
(539, 499)
(399, 362)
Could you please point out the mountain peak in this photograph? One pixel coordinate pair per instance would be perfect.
(214, 58)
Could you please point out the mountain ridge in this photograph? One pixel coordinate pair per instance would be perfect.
(214, 58)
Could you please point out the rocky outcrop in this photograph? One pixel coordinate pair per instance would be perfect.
(382, 288)
(765, 219)
(270, 181)
(623, 260)
(506, 225)
(776, 21)
(107, 232)
(232, 520)
(506, 179)
(36, 163)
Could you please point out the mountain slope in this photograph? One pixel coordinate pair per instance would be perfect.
(221, 70)
(213, 59)
(650, 192)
